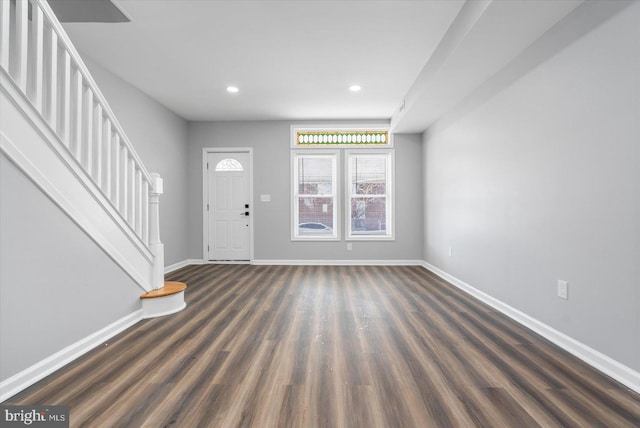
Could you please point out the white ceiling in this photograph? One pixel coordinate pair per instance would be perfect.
(295, 59)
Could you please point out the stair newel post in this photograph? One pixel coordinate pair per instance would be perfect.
(156, 246)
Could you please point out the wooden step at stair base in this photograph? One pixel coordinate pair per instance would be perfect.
(164, 301)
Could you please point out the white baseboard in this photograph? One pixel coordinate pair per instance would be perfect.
(38, 371)
(226, 262)
(284, 262)
(182, 264)
(596, 359)
(339, 262)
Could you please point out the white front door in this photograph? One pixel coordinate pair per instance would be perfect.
(228, 206)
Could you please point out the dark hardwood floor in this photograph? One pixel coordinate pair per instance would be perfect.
(297, 346)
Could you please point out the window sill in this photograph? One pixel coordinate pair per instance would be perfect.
(315, 239)
(370, 238)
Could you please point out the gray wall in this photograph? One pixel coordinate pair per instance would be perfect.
(52, 276)
(271, 151)
(159, 136)
(542, 182)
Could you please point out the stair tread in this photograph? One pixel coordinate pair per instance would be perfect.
(170, 287)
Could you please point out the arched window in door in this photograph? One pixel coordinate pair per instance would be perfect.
(229, 164)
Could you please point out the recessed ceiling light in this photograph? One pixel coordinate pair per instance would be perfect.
(354, 88)
(232, 89)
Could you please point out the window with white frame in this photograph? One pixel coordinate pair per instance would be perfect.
(369, 207)
(315, 195)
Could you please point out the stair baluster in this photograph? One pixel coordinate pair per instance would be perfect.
(38, 59)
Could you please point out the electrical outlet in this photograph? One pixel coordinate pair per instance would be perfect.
(563, 289)
(349, 246)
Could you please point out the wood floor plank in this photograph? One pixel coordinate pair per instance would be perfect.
(331, 346)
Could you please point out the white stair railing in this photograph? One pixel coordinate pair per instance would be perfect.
(38, 56)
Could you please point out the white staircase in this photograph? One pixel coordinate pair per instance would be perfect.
(58, 128)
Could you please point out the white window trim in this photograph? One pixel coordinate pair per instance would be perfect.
(336, 236)
(390, 235)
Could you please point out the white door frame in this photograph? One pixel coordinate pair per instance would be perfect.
(205, 189)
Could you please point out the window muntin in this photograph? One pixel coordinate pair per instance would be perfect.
(315, 207)
(369, 195)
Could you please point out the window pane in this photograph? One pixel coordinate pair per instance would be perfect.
(315, 176)
(368, 175)
(315, 216)
(368, 216)
(229, 164)
(328, 138)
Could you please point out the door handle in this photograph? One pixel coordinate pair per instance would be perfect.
(246, 213)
